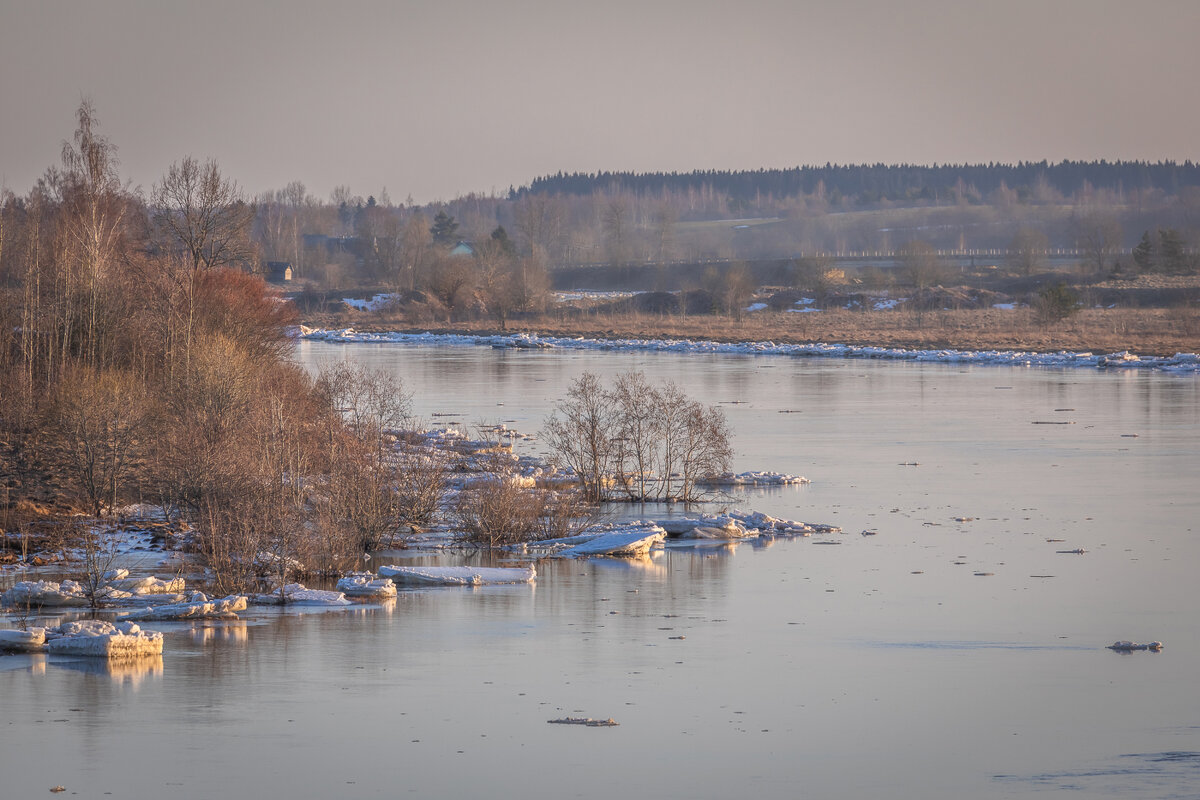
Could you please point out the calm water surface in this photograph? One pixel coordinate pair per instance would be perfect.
(882, 666)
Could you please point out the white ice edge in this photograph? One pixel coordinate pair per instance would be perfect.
(1178, 363)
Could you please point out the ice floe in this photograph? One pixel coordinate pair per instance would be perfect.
(753, 479)
(706, 527)
(365, 584)
(1180, 362)
(49, 594)
(101, 639)
(30, 639)
(300, 595)
(198, 608)
(457, 576)
(149, 585)
(635, 539)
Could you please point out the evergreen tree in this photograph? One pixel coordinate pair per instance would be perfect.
(500, 237)
(444, 229)
(1143, 254)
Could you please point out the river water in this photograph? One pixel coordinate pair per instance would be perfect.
(955, 653)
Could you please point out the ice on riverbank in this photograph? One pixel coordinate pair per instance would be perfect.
(101, 639)
(1180, 362)
(364, 584)
(457, 576)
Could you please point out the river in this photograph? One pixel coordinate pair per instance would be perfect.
(956, 652)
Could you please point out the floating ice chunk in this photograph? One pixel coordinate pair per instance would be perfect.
(706, 527)
(149, 585)
(457, 576)
(26, 640)
(223, 608)
(45, 593)
(765, 524)
(299, 594)
(753, 479)
(633, 541)
(116, 598)
(364, 584)
(101, 639)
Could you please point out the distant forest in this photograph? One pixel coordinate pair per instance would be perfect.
(873, 183)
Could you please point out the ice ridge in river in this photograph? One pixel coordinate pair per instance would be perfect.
(1180, 362)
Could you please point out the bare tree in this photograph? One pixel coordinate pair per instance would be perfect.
(1099, 235)
(920, 264)
(579, 431)
(203, 213)
(1027, 250)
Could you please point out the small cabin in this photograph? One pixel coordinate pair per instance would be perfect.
(462, 249)
(279, 271)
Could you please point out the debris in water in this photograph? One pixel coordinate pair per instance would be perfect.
(1047, 422)
(588, 721)
(1078, 551)
(1129, 647)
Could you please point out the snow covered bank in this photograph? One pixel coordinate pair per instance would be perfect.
(1179, 363)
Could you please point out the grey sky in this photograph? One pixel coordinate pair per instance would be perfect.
(435, 99)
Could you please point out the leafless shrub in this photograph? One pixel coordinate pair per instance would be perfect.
(421, 482)
(642, 442)
(498, 510)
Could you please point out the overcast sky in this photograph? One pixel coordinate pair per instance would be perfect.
(442, 97)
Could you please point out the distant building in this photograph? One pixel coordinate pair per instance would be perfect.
(462, 249)
(279, 271)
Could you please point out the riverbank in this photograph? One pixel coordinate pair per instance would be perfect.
(1147, 332)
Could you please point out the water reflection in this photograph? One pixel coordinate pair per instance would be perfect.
(224, 632)
(127, 672)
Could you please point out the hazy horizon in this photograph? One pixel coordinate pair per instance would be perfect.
(437, 101)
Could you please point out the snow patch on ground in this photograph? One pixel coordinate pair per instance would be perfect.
(376, 303)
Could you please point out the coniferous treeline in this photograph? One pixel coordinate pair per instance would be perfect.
(869, 183)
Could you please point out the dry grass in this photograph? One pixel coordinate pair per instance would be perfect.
(1147, 331)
